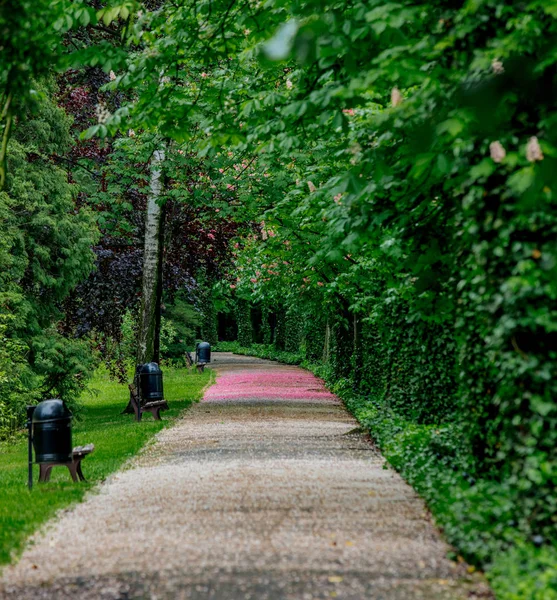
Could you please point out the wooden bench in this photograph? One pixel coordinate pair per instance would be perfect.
(139, 408)
(74, 467)
(190, 363)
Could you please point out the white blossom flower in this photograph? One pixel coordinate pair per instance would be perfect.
(497, 152)
(112, 75)
(131, 133)
(102, 113)
(497, 66)
(311, 186)
(396, 97)
(533, 150)
(289, 84)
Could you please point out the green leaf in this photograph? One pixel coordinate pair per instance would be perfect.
(483, 169)
(522, 180)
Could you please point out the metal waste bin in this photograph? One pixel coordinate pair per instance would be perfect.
(52, 432)
(150, 382)
(203, 353)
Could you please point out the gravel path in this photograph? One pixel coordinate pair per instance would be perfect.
(266, 490)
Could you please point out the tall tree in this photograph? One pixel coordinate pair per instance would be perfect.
(148, 341)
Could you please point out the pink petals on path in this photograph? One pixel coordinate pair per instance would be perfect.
(289, 384)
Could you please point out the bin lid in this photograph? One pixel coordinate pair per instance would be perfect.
(150, 369)
(51, 410)
(203, 345)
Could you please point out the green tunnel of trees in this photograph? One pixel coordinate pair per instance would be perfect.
(363, 187)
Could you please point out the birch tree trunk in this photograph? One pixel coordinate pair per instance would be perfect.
(148, 337)
(149, 318)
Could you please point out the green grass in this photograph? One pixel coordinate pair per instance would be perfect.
(116, 437)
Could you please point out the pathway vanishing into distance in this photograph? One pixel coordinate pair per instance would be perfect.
(266, 490)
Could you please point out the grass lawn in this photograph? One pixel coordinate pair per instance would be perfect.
(116, 437)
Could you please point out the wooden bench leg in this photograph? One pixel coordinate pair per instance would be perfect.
(156, 412)
(45, 470)
(136, 409)
(79, 471)
(72, 468)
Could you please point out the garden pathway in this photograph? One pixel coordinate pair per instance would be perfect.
(266, 490)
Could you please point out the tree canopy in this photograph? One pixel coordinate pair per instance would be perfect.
(367, 185)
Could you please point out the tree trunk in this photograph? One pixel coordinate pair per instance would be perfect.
(158, 312)
(327, 344)
(5, 130)
(152, 255)
(148, 339)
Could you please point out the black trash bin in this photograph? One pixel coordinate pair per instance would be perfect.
(150, 382)
(52, 432)
(203, 353)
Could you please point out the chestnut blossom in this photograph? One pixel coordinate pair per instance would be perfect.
(533, 150)
(311, 186)
(396, 97)
(102, 113)
(289, 84)
(112, 75)
(497, 152)
(497, 66)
